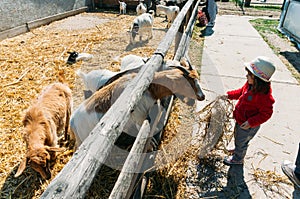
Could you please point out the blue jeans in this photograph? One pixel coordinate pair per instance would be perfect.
(241, 141)
(212, 10)
(297, 170)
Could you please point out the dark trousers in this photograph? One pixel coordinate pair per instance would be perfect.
(241, 141)
(297, 169)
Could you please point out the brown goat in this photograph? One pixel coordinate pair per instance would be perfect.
(181, 80)
(49, 114)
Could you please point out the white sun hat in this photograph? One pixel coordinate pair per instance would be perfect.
(262, 67)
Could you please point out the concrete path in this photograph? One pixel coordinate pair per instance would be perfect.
(233, 42)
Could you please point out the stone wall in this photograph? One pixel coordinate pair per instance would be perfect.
(14, 13)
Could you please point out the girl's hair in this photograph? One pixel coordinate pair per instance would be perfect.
(260, 86)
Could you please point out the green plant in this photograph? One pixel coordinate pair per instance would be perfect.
(267, 7)
(266, 26)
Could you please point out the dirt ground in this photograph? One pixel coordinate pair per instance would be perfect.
(32, 60)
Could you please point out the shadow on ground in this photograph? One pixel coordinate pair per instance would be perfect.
(18, 187)
(293, 58)
(212, 179)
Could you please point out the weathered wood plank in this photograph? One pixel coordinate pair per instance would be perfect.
(166, 43)
(184, 42)
(130, 168)
(135, 188)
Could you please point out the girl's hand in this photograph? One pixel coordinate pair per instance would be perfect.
(245, 125)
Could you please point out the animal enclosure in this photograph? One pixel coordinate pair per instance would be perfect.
(107, 40)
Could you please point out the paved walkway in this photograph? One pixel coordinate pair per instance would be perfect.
(233, 42)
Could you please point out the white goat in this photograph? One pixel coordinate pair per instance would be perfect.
(165, 83)
(132, 61)
(94, 79)
(141, 26)
(122, 7)
(141, 8)
(170, 11)
(76, 56)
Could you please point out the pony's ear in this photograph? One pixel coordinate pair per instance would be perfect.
(21, 168)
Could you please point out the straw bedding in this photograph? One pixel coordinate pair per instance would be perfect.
(33, 60)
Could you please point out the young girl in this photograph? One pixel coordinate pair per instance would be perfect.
(254, 106)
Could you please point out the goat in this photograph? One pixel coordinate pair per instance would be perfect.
(122, 7)
(170, 11)
(72, 57)
(95, 78)
(132, 61)
(141, 8)
(179, 80)
(142, 25)
(179, 3)
(75, 56)
(49, 114)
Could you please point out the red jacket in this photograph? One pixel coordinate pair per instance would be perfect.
(256, 108)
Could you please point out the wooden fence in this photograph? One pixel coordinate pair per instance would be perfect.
(76, 177)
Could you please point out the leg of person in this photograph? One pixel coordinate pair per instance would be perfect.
(205, 11)
(242, 138)
(297, 169)
(212, 12)
(292, 171)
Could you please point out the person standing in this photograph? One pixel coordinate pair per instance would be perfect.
(210, 9)
(254, 106)
(292, 171)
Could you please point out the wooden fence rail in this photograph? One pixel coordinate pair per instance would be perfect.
(122, 185)
(76, 177)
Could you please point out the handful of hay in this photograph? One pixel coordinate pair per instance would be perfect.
(214, 121)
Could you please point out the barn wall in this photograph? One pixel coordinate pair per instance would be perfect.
(15, 13)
